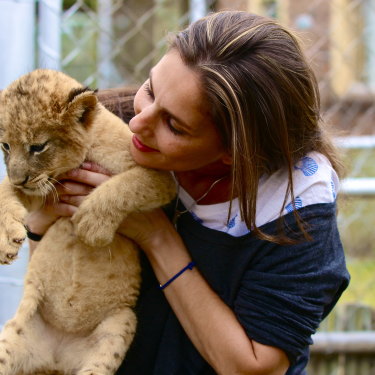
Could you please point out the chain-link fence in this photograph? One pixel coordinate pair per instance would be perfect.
(112, 43)
(115, 43)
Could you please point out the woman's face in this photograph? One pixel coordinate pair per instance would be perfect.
(172, 129)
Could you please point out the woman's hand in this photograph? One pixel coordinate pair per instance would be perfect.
(72, 189)
(76, 184)
(149, 230)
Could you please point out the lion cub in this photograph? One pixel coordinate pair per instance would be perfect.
(76, 315)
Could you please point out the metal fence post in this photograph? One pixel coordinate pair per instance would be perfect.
(105, 43)
(17, 24)
(49, 35)
(198, 9)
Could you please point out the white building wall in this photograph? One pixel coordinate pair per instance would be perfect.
(17, 39)
(17, 57)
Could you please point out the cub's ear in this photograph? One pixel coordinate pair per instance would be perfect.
(81, 106)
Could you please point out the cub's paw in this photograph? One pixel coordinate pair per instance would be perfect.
(90, 230)
(12, 236)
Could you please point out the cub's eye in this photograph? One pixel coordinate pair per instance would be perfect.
(38, 148)
(5, 147)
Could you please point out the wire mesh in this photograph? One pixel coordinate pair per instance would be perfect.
(114, 43)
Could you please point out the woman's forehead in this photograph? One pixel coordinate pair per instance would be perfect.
(177, 89)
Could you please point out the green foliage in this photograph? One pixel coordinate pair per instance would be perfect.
(362, 285)
(92, 4)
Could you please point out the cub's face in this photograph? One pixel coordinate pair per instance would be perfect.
(45, 121)
(34, 164)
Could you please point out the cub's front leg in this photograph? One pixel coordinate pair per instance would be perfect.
(12, 230)
(138, 189)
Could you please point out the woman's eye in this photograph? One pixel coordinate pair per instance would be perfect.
(173, 129)
(5, 146)
(148, 90)
(37, 148)
(168, 120)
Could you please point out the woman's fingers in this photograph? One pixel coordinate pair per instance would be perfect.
(145, 227)
(85, 176)
(63, 209)
(73, 188)
(94, 167)
(72, 200)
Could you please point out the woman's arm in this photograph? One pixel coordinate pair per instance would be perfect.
(210, 324)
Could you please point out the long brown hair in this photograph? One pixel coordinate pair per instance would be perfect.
(263, 98)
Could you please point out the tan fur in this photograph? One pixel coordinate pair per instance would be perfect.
(83, 280)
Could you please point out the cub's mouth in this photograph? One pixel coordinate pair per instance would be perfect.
(40, 186)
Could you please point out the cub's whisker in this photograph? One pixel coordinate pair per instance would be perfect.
(41, 189)
(53, 191)
(58, 182)
(110, 255)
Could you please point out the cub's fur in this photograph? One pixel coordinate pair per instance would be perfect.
(76, 315)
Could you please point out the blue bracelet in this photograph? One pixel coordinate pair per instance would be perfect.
(188, 267)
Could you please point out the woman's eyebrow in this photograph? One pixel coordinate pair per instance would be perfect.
(176, 118)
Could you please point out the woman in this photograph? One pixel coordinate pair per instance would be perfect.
(249, 259)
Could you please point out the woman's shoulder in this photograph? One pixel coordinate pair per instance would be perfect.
(314, 182)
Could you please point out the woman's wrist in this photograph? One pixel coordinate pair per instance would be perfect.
(168, 255)
(32, 235)
(38, 223)
(162, 243)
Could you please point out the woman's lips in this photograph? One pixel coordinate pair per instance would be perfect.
(141, 147)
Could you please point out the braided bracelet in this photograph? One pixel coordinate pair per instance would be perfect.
(33, 236)
(190, 266)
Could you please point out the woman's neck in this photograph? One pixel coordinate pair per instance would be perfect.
(213, 187)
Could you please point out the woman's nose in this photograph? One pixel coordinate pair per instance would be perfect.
(143, 122)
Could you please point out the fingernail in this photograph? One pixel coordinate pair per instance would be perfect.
(86, 165)
(72, 172)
